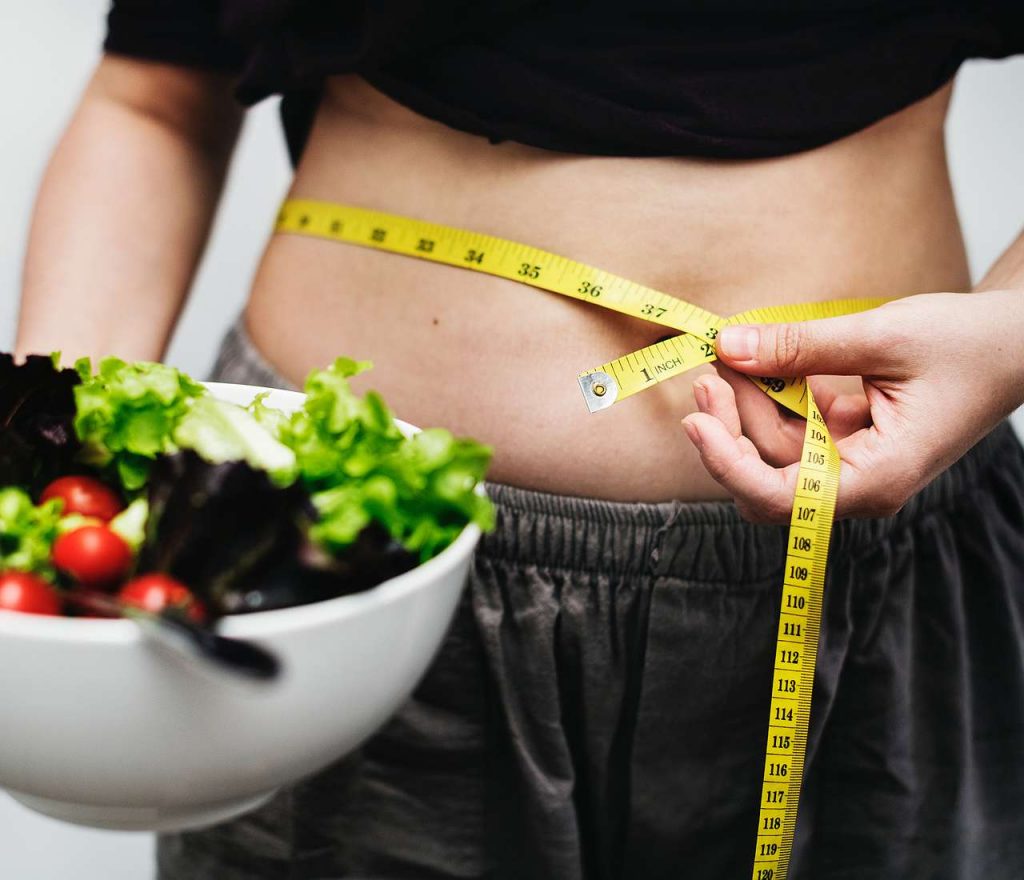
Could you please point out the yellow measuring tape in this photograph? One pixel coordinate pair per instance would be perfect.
(817, 481)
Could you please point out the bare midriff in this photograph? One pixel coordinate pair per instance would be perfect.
(869, 215)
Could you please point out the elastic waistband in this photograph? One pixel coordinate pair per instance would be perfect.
(707, 541)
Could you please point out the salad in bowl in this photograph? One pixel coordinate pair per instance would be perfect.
(314, 525)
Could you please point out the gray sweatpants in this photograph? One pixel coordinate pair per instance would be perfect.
(599, 707)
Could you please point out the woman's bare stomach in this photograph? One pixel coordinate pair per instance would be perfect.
(870, 215)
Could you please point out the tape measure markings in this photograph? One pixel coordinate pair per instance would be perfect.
(817, 476)
(527, 265)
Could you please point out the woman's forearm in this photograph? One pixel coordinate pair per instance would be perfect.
(1007, 273)
(124, 210)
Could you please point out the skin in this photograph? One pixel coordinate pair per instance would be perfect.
(105, 272)
(929, 393)
(869, 215)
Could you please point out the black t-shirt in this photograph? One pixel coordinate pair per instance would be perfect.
(726, 78)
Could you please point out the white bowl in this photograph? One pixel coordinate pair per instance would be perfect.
(98, 727)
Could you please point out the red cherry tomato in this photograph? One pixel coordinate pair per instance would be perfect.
(154, 592)
(27, 593)
(94, 555)
(86, 496)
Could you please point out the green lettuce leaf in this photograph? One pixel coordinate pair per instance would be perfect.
(130, 523)
(27, 532)
(272, 419)
(127, 414)
(338, 436)
(362, 471)
(220, 431)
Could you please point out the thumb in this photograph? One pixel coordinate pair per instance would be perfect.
(852, 345)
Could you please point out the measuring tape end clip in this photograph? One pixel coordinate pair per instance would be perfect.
(599, 390)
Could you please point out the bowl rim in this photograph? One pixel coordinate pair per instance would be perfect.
(256, 624)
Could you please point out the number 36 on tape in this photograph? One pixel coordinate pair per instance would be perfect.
(817, 481)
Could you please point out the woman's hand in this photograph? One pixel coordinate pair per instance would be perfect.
(939, 372)
(124, 210)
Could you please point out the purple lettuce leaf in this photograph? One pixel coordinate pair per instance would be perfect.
(240, 542)
(37, 410)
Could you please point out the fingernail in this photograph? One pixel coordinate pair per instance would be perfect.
(700, 394)
(738, 343)
(694, 435)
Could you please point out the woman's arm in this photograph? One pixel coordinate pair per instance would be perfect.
(1007, 273)
(939, 372)
(124, 210)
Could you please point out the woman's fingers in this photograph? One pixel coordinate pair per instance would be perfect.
(762, 493)
(777, 435)
(930, 393)
(872, 482)
(852, 345)
(845, 412)
(716, 398)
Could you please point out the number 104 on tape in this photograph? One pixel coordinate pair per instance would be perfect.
(604, 386)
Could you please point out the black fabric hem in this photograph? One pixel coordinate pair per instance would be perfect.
(172, 37)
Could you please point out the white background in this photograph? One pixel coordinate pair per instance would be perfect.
(46, 52)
